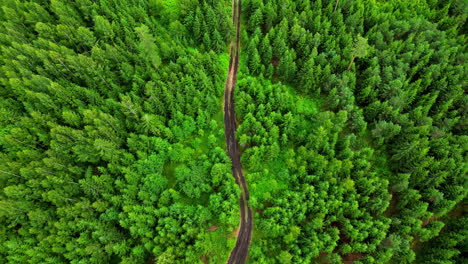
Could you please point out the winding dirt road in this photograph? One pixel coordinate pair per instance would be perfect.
(239, 253)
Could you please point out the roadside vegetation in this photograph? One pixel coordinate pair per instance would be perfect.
(111, 132)
(351, 116)
(371, 168)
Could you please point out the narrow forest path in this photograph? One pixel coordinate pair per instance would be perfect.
(239, 253)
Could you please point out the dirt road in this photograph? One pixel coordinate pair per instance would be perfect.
(239, 253)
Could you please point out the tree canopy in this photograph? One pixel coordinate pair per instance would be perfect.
(352, 122)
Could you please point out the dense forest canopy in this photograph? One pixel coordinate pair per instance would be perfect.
(111, 138)
(354, 128)
(352, 123)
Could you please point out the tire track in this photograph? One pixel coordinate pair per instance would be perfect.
(240, 252)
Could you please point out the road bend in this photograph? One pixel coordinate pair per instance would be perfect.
(239, 253)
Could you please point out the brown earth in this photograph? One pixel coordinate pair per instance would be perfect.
(351, 257)
(212, 228)
(239, 253)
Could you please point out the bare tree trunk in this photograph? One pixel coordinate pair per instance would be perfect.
(351, 63)
(336, 5)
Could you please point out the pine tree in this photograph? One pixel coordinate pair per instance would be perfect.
(360, 49)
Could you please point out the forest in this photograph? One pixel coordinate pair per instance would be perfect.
(352, 126)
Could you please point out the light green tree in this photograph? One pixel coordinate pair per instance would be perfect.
(360, 49)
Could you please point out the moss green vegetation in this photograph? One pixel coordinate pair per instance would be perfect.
(352, 124)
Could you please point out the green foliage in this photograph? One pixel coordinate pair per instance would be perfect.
(383, 153)
(112, 144)
(100, 105)
(449, 246)
(360, 47)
